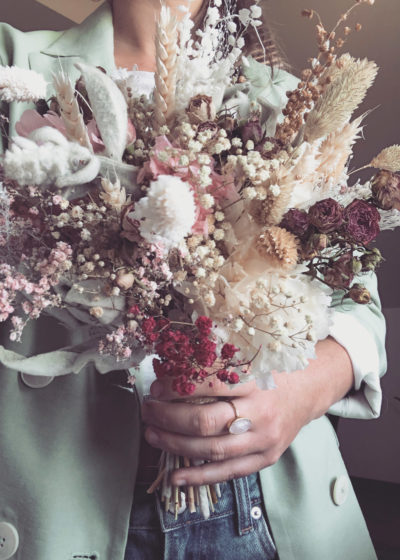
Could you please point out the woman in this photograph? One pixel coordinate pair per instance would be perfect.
(70, 448)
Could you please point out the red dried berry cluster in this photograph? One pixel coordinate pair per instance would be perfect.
(188, 354)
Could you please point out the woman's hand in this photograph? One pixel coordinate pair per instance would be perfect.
(277, 415)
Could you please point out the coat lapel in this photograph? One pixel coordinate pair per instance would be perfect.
(92, 42)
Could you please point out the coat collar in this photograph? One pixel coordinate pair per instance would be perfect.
(92, 41)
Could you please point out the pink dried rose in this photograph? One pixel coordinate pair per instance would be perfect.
(326, 215)
(362, 221)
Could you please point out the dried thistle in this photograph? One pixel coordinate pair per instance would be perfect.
(166, 56)
(70, 112)
(340, 99)
(279, 247)
(388, 159)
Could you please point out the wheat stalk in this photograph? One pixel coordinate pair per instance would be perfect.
(166, 57)
(70, 112)
(388, 159)
(340, 99)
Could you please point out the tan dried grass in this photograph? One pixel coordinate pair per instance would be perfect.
(70, 111)
(340, 99)
(388, 159)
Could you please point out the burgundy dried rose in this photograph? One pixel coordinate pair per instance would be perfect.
(340, 273)
(386, 190)
(326, 215)
(359, 294)
(296, 221)
(252, 131)
(362, 221)
(201, 109)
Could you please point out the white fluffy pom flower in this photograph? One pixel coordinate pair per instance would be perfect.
(19, 84)
(168, 212)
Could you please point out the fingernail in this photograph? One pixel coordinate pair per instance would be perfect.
(152, 437)
(156, 389)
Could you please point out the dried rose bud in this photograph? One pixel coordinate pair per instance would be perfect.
(359, 294)
(200, 109)
(252, 131)
(371, 260)
(125, 280)
(340, 274)
(386, 190)
(210, 126)
(227, 123)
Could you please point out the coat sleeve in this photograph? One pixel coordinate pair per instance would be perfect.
(361, 330)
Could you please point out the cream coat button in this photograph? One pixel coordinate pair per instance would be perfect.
(36, 381)
(9, 541)
(340, 490)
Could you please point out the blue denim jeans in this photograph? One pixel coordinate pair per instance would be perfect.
(237, 529)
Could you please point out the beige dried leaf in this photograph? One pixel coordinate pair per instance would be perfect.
(165, 76)
(70, 112)
(340, 99)
(388, 159)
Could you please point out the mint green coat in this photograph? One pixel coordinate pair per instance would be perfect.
(69, 450)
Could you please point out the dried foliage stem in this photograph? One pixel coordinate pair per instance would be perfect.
(165, 77)
(70, 112)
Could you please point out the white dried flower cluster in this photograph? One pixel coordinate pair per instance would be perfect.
(203, 66)
(280, 317)
(19, 84)
(167, 213)
(259, 172)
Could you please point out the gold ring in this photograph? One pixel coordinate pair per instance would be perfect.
(238, 425)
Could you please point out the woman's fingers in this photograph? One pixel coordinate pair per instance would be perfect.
(190, 419)
(216, 448)
(212, 473)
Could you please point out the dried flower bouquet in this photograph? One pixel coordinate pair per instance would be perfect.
(198, 224)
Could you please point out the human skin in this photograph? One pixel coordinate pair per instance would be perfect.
(277, 415)
(134, 27)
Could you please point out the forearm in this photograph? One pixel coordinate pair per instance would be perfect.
(325, 381)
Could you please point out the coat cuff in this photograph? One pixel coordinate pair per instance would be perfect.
(365, 400)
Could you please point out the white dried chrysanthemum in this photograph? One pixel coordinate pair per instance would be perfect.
(168, 212)
(19, 84)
